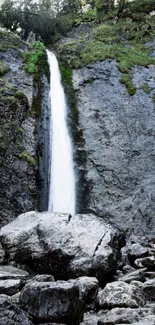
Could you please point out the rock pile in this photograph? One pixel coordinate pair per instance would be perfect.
(58, 269)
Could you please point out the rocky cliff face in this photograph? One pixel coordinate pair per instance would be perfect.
(118, 133)
(20, 182)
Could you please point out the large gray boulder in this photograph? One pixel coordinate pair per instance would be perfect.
(121, 294)
(53, 302)
(62, 245)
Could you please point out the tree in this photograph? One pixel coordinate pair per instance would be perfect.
(8, 15)
(122, 5)
(104, 5)
(45, 18)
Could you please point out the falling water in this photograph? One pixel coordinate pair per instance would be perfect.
(62, 182)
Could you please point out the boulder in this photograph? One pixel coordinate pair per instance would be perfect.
(64, 246)
(53, 302)
(137, 251)
(10, 314)
(10, 287)
(148, 262)
(121, 294)
(148, 320)
(138, 275)
(149, 290)
(42, 278)
(124, 315)
(88, 288)
(11, 272)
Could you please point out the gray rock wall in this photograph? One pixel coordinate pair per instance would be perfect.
(119, 142)
(23, 187)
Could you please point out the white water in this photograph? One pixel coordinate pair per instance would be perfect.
(62, 182)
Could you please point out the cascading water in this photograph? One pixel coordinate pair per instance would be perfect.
(62, 182)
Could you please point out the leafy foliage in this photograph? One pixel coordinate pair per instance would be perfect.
(32, 57)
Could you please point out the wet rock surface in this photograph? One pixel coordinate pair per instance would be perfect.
(118, 132)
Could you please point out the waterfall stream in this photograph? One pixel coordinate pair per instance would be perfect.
(62, 181)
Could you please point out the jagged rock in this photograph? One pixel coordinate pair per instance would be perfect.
(149, 290)
(137, 275)
(148, 262)
(42, 278)
(15, 298)
(12, 315)
(2, 254)
(10, 287)
(148, 320)
(118, 142)
(11, 272)
(66, 247)
(137, 251)
(18, 186)
(124, 315)
(88, 288)
(121, 294)
(128, 269)
(149, 275)
(3, 298)
(92, 318)
(53, 302)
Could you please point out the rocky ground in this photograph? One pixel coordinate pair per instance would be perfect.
(58, 269)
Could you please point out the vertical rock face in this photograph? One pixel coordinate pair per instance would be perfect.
(19, 175)
(119, 133)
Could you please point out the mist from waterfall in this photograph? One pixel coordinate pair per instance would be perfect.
(62, 180)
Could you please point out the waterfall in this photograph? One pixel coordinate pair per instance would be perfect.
(62, 181)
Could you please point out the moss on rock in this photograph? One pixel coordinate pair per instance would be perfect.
(3, 69)
(27, 157)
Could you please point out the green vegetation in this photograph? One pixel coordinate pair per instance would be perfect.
(146, 88)
(123, 41)
(66, 73)
(153, 97)
(33, 57)
(19, 94)
(9, 40)
(126, 79)
(13, 101)
(27, 157)
(3, 69)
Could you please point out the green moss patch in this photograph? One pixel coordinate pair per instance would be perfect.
(123, 41)
(27, 157)
(3, 69)
(126, 79)
(146, 88)
(34, 56)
